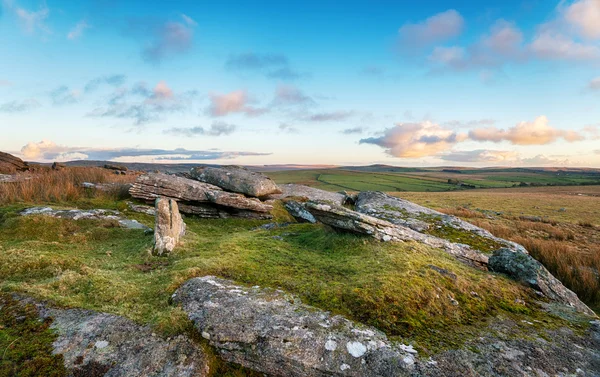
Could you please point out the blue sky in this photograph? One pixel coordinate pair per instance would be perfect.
(513, 83)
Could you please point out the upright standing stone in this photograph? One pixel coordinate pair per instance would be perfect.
(169, 226)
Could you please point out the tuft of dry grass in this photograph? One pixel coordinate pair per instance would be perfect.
(46, 185)
(463, 212)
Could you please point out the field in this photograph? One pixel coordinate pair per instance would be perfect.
(386, 178)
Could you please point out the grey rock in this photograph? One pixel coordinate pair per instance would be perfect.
(236, 179)
(90, 214)
(115, 167)
(309, 193)
(522, 267)
(153, 185)
(298, 211)
(141, 208)
(274, 333)
(405, 213)
(345, 219)
(212, 211)
(92, 342)
(169, 226)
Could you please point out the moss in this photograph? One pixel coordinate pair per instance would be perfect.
(26, 342)
(455, 235)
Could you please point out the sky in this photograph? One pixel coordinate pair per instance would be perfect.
(405, 83)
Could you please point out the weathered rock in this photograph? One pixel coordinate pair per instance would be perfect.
(90, 214)
(236, 179)
(276, 334)
(405, 213)
(298, 211)
(101, 344)
(12, 178)
(524, 268)
(58, 166)
(153, 185)
(169, 226)
(345, 219)
(115, 167)
(141, 208)
(309, 193)
(10, 164)
(212, 211)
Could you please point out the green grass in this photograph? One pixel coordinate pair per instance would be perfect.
(392, 286)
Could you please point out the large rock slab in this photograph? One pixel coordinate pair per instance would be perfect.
(276, 334)
(10, 164)
(345, 219)
(524, 268)
(421, 219)
(309, 193)
(153, 185)
(169, 226)
(236, 179)
(101, 344)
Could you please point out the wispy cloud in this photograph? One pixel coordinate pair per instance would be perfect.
(216, 129)
(288, 128)
(275, 66)
(5, 83)
(77, 31)
(111, 80)
(353, 131)
(231, 103)
(437, 28)
(287, 95)
(334, 116)
(49, 151)
(20, 106)
(594, 84)
(64, 96)
(31, 21)
(481, 155)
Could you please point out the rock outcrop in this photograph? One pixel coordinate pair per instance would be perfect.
(525, 269)
(169, 226)
(419, 218)
(345, 219)
(90, 214)
(198, 198)
(276, 334)
(101, 344)
(236, 179)
(10, 164)
(309, 193)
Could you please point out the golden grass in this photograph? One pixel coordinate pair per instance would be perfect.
(46, 185)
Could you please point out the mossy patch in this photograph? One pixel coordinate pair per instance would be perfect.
(26, 342)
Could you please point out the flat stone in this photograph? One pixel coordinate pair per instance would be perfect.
(236, 179)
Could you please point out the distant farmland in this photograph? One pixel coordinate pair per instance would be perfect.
(390, 179)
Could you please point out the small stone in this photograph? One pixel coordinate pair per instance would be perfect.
(205, 335)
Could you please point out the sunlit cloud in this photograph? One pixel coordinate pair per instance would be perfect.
(231, 103)
(215, 129)
(584, 15)
(437, 28)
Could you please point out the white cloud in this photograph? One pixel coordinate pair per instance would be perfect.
(437, 28)
(584, 15)
(556, 46)
(33, 21)
(538, 132)
(413, 140)
(594, 84)
(233, 102)
(78, 30)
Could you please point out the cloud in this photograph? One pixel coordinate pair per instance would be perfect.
(64, 96)
(165, 39)
(290, 95)
(555, 46)
(20, 106)
(112, 80)
(216, 129)
(77, 30)
(584, 15)
(372, 71)
(413, 140)
(231, 103)
(538, 132)
(481, 155)
(470, 123)
(31, 21)
(288, 128)
(437, 28)
(334, 116)
(353, 131)
(594, 84)
(5, 83)
(275, 66)
(142, 104)
(49, 151)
